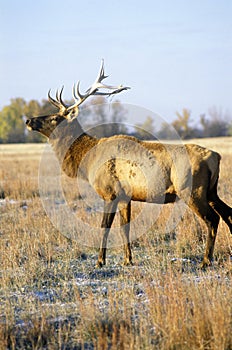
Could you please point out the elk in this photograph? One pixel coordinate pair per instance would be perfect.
(133, 170)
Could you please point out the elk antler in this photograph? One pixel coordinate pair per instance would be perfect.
(59, 103)
(94, 89)
(80, 98)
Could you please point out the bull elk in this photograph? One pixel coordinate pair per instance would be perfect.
(134, 170)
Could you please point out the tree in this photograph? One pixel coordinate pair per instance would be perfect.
(32, 109)
(145, 130)
(167, 132)
(181, 124)
(11, 121)
(216, 124)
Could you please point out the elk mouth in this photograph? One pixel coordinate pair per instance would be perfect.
(31, 124)
(28, 124)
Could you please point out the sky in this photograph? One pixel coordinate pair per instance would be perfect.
(174, 54)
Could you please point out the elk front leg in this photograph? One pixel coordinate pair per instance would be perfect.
(108, 217)
(125, 216)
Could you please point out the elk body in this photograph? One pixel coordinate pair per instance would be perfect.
(122, 169)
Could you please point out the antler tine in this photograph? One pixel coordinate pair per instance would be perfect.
(101, 74)
(117, 90)
(78, 97)
(76, 92)
(52, 100)
(59, 103)
(59, 97)
(93, 90)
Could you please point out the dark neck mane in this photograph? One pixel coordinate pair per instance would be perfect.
(71, 144)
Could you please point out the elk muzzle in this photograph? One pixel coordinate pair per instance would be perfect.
(29, 124)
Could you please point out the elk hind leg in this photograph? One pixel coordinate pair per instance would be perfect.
(220, 207)
(211, 218)
(125, 216)
(107, 220)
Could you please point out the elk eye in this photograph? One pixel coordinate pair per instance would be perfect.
(74, 113)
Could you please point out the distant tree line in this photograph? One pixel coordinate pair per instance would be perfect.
(215, 124)
(103, 119)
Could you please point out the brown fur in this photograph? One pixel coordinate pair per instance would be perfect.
(122, 168)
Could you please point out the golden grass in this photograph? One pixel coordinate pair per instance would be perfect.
(52, 297)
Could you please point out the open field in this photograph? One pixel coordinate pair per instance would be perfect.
(53, 297)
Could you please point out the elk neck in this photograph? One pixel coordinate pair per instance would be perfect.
(71, 144)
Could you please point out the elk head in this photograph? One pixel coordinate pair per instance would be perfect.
(47, 124)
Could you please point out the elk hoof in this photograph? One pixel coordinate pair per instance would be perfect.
(205, 263)
(128, 263)
(100, 264)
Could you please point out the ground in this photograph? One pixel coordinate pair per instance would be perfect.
(53, 297)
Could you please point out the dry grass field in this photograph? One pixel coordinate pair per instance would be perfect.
(53, 297)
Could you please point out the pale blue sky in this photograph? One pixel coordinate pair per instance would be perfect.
(173, 53)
